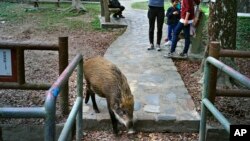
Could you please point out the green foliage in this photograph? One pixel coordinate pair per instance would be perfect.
(243, 33)
(49, 17)
(204, 8)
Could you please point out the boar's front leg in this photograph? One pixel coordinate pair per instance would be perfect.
(113, 120)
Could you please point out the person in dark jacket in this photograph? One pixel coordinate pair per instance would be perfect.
(187, 16)
(116, 4)
(173, 17)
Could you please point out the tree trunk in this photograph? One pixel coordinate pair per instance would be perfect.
(77, 5)
(222, 23)
(222, 27)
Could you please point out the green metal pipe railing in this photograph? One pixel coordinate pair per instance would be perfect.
(34, 112)
(207, 104)
(49, 110)
(76, 112)
(55, 90)
(217, 114)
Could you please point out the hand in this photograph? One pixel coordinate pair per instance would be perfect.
(185, 22)
(175, 12)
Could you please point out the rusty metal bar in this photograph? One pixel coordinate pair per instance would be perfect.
(20, 66)
(25, 86)
(214, 50)
(233, 93)
(63, 63)
(28, 46)
(234, 53)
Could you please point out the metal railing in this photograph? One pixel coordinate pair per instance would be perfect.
(207, 104)
(48, 111)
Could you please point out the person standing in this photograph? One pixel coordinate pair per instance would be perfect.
(155, 13)
(173, 17)
(187, 16)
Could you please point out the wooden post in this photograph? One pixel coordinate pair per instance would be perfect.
(102, 8)
(20, 66)
(63, 63)
(106, 10)
(214, 51)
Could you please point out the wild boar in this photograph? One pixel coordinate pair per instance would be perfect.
(105, 79)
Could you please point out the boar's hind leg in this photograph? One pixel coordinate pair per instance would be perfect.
(92, 94)
(87, 97)
(113, 120)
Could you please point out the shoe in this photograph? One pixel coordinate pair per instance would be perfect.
(184, 55)
(115, 16)
(158, 47)
(168, 43)
(121, 16)
(151, 47)
(169, 55)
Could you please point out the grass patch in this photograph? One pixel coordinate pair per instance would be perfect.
(140, 5)
(49, 17)
(167, 4)
(243, 33)
(11, 12)
(144, 5)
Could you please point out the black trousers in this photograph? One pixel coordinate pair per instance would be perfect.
(155, 13)
(119, 12)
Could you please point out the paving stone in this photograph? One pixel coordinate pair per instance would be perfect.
(85, 109)
(137, 106)
(151, 109)
(166, 117)
(153, 99)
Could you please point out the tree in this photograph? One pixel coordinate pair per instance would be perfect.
(222, 24)
(77, 5)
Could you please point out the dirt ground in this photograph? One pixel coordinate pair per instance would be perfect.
(42, 67)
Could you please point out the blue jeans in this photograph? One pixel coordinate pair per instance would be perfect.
(170, 31)
(180, 26)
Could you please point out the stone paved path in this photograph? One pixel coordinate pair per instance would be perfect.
(162, 102)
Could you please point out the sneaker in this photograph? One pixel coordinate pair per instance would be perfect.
(121, 16)
(151, 47)
(115, 16)
(158, 47)
(169, 55)
(184, 55)
(168, 43)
